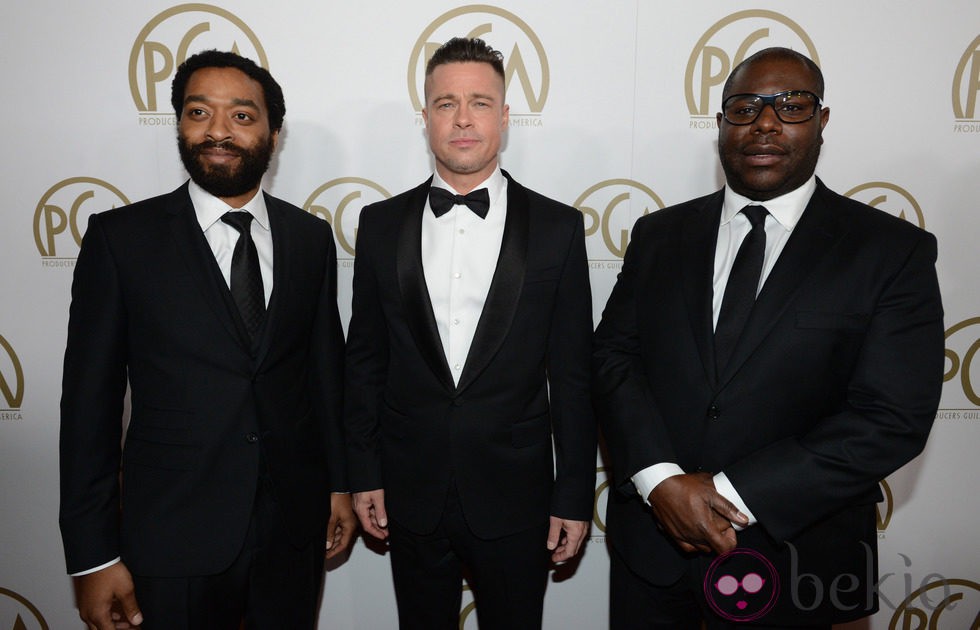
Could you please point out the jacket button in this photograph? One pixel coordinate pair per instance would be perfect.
(713, 412)
(251, 438)
(457, 402)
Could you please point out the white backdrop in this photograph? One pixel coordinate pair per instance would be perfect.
(612, 109)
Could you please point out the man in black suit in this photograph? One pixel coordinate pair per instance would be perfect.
(762, 423)
(217, 302)
(468, 353)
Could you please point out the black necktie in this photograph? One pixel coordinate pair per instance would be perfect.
(246, 278)
(441, 201)
(743, 282)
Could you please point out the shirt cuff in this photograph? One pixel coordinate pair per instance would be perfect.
(98, 568)
(650, 477)
(725, 488)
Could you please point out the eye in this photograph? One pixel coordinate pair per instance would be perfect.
(243, 117)
(196, 112)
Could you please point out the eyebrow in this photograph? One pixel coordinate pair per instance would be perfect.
(200, 98)
(453, 95)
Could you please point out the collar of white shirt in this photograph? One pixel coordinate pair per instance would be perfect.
(209, 208)
(495, 185)
(786, 209)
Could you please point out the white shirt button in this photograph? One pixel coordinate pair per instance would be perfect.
(457, 367)
(457, 275)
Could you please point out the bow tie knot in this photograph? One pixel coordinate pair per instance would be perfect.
(441, 201)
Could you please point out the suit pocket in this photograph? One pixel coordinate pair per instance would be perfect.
(547, 274)
(531, 432)
(161, 438)
(853, 322)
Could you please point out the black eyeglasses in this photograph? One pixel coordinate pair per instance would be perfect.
(791, 107)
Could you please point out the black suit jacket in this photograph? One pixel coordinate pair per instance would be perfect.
(526, 379)
(833, 385)
(149, 303)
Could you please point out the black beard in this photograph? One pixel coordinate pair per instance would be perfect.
(224, 180)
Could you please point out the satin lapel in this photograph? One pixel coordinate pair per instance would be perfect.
(415, 295)
(194, 251)
(812, 238)
(700, 238)
(281, 263)
(505, 288)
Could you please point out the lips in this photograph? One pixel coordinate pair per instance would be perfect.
(763, 154)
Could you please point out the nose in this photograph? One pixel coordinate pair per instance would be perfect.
(218, 129)
(463, 116)
(767, 119)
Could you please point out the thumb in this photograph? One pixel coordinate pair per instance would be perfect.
(727, 509)
(554, 533)
(380, 514)
(131, 608)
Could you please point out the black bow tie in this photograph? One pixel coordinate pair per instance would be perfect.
(441, 201)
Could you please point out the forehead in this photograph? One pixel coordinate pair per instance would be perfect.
(462, 78)
(771, 75)
(224, 84)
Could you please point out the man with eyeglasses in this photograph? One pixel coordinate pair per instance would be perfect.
(768, 354)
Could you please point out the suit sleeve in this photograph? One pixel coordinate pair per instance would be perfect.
(892, 396)
(366, 365)
(631, 423)
(572, 419)
(328, 372)
(93, 388)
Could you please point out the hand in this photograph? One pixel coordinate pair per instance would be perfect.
(342, 524)
(370, 509)
(564, 547)
(695, 515)
(106, 599)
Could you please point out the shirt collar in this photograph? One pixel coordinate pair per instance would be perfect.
(786, 209)
(494, 185)
(209, 208)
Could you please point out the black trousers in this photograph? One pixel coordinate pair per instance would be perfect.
(635, 604)
(507, 575)
(270, 585)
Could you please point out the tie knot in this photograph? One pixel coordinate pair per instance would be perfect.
(441, 201)
(239, 220)
(755, 214)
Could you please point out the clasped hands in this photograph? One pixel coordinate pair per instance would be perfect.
(695, 515)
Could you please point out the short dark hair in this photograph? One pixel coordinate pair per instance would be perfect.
(776, 52)
(463, 49)
(274, 101)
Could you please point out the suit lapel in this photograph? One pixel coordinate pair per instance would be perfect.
(415, 295)
(505, 288)
(814, 235)
(281, 273)
(699, 241)
(194, 251)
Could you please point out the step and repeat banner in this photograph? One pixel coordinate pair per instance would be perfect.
(612, 110)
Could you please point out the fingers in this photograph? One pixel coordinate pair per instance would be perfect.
(370, 509)
(131, 609)
(568, 545)
(554, 533)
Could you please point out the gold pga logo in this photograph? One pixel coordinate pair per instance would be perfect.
(964, 336)
(725, 45)
(525, 60)
(168, 39)
(339, 202)
(18, 613)
(893, 199)
(467, 620)
(966, 84)
(611, 207)
(600, 501)
(62, 213)
(11, 389)
(884, 508)
(939, 604)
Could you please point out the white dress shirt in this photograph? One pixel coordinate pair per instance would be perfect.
(784, 213)
(459, 257)
(222, 238)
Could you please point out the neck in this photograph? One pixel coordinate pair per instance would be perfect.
(464, 183)
(239, 201)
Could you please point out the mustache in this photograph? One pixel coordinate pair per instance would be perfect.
(224, 145)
